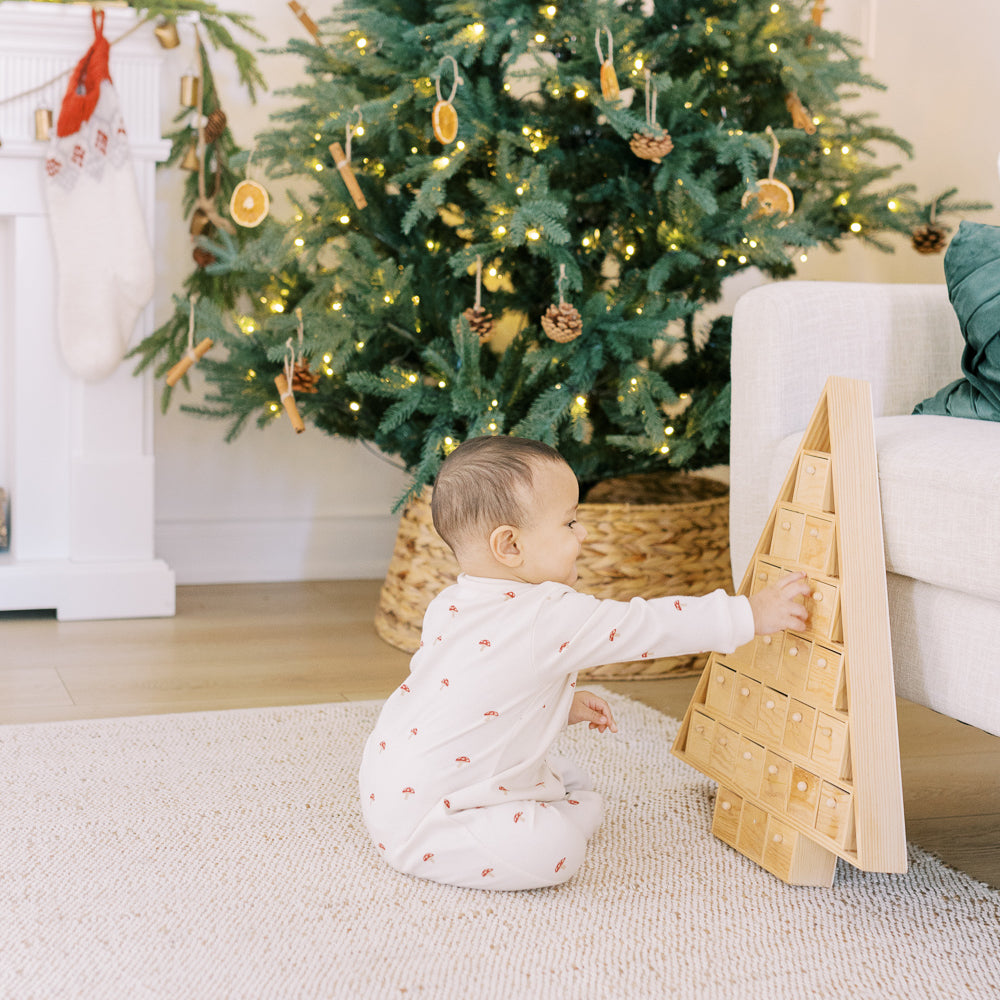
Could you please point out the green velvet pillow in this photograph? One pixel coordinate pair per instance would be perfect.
(972, 271)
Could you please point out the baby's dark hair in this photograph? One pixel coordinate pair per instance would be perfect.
(484, 483)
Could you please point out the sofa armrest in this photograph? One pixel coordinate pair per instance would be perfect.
(789, 337)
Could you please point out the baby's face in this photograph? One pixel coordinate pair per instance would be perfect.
(552, 538)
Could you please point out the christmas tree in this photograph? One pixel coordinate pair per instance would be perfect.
(510, 217)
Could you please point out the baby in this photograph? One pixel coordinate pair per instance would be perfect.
(457, 782)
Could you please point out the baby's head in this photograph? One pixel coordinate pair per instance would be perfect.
(507, 508)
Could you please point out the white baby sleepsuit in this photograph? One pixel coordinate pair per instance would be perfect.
(457, 784)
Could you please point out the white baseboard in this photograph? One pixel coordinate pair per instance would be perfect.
(264, 551)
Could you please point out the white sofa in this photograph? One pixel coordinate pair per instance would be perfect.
(939, 476)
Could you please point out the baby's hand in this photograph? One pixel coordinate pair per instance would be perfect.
(776, 606)
(587, 707)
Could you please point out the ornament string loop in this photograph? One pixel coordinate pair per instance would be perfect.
(774, 154)
(288, 366)
(190, 352)
(650, 100)
(611, 44)
(455, 83)
(479, 282)
(561, 283)
(349, 131)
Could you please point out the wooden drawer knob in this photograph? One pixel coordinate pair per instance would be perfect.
(777, 838)
(747, 755)
(817, 596)
(810, 470)
(769, 704)
(786, 526)
(814, 532)
(794, 651)
(796, 716)
(766, 640)
(726, 806)
(831, 802)
(821, 663)
(772, 769)
(802, 786)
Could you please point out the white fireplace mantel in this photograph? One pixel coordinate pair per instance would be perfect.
(76, 457)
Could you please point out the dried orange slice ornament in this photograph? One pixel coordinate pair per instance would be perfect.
(249, 204)
(609, 79)
(772, 197)
(444, 121)
(444, 117)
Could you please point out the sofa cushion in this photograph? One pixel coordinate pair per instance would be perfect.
(939, 479)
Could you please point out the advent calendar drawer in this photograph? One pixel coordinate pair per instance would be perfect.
(746, 702)
(803, 796)
(831, 748)
(794, 666)
(826, 681)
(799, 724)
(753, 831)
(813, 481)
(721, 685)
(726, 818)
(823, 605)
(771, 714)
(767, 657)
(835, 816)
(819, 544)
(724, 745)
(779, 847)
(749, 766)
(776, 781)
(764, 573)
(701, 736)
(786, 539)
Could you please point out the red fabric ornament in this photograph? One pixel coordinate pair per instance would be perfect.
(85, 81)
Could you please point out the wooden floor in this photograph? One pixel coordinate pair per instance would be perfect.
(296, 643)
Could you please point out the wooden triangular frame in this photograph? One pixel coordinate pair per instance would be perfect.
(799, 729)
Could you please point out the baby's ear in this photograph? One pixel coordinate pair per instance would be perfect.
(504, 546)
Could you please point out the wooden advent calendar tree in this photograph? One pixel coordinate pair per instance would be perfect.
(799, 728)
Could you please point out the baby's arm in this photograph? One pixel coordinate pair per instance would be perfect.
(777, 607)
(587, 707)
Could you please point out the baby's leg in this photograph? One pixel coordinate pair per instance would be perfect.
(511, 845)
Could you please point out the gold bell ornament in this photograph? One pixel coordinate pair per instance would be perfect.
(653, 143)
(772, 197)
(43, 124)
(166, 34)
(609, 79)
(444, 117)
(190, 90)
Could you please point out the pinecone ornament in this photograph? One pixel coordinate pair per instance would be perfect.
(480, 322)
(215, 125)
(649, 146)
(562, 323)
(929, 239)
(303, 379)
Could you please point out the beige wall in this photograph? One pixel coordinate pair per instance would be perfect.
(274, 505)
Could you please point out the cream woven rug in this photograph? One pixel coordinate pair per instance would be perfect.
(222, 855)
